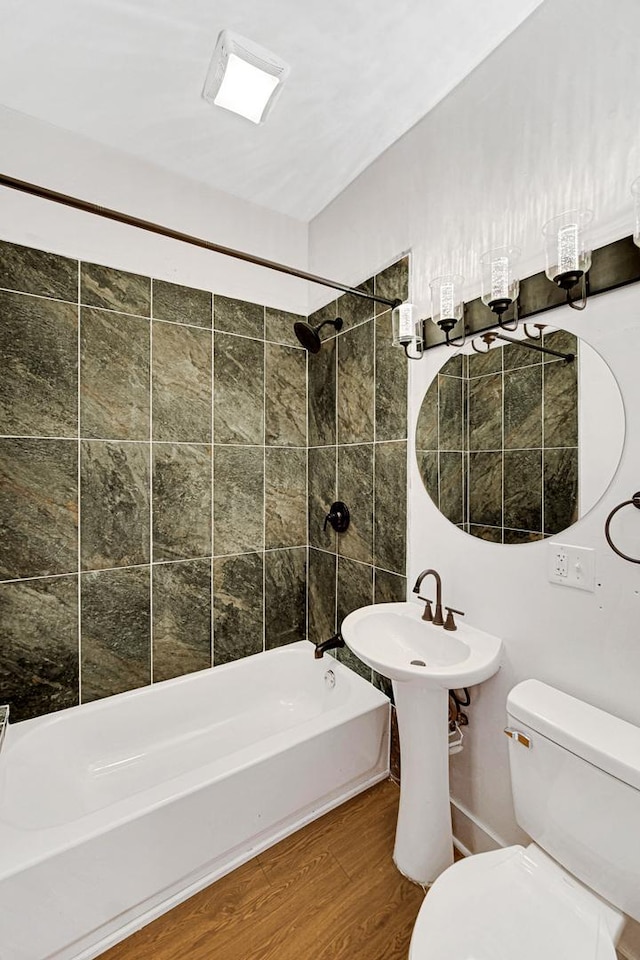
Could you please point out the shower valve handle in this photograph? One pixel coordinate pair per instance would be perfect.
(338, 517)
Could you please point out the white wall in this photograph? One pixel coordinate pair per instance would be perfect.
(601, 427)
(551, 119)
(45, 155)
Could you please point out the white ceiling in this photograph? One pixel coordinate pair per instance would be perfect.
(129, 73)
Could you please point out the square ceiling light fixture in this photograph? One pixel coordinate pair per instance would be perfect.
(244, 77)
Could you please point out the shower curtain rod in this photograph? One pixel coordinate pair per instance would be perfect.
(86, 206)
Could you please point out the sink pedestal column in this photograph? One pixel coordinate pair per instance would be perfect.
(424, 846)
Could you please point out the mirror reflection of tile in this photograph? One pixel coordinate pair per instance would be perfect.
(497, 441)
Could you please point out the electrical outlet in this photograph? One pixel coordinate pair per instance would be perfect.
(571, 566)
(561, 563)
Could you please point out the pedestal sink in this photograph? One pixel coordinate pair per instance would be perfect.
(424, 662)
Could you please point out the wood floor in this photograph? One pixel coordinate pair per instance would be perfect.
(329, 892)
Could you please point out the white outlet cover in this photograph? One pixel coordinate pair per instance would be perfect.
(571, 566)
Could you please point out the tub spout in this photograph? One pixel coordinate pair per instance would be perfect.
(4, 722)
(330, 644)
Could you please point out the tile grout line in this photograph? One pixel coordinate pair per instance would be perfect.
(374, 458)
(40, 296)
(336, 627)
(212, 648)
(263, 339)
(308, 552)
(579, 432)
(169, 443)
(466, 454)
(359, 443)
(151, 466)
(502, 518)
(158, 563)
(410, 292)
(79, 446)
(542, 456)
(264, 483)
(373, 464)
(139, 316)
(439, 482)
(488, 450)
(463, 431)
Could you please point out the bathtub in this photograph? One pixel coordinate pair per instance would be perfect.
(113, 812)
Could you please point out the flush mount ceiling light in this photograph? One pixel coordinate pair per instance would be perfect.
(244, 77)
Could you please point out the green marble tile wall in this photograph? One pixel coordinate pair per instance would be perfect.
(358, 454)
(153, 480)
(511, 416)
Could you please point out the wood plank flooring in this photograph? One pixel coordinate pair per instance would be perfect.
(328, 892)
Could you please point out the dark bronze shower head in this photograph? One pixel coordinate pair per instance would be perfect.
(309, 336)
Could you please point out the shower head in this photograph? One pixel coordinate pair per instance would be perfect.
(309, 336)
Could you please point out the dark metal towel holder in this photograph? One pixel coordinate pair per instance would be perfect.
(635, 502)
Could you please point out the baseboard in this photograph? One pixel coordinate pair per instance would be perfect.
(470, 835)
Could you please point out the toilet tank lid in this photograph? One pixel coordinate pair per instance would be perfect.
(607, 742)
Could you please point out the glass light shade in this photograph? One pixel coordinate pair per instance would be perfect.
(499, 285)
(635, 192)
(405, 325)
(567, 247)
(447, 307)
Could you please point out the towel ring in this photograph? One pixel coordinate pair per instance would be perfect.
(635, 501)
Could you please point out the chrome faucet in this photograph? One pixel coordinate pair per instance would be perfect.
(436, 617)
(4, 722)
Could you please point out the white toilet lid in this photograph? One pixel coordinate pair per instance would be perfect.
(508, 905)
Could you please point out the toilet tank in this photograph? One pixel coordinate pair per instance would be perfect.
(576, 788)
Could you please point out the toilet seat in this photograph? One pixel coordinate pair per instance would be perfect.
(513, 904)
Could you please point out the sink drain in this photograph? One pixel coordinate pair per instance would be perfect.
(418, 663)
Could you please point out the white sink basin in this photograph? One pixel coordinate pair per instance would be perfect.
(424, 662)
(394, 640)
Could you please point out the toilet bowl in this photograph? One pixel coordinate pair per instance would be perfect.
(575, 774)
(510, 904)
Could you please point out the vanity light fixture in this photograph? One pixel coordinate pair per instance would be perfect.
(243, 77)
(407, 329)
(635, 193)
(500, 287)
(568, 253)
(447, 307)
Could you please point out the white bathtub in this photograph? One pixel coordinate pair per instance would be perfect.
(113, 812)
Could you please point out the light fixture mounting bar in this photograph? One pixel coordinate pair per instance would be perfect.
(86, 206)
(615, 265)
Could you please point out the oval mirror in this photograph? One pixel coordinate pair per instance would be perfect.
(514, 444)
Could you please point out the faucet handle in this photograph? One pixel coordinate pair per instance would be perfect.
(450, 623)
(428, 613)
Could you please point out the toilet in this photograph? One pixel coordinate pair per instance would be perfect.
(575, 775)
